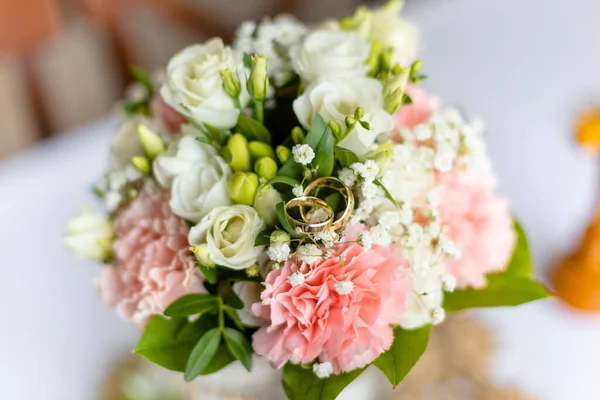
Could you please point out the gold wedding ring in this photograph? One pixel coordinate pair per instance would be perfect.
(313, 202)
(337, 185)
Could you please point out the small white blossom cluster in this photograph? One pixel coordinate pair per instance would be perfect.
(303, 154)
(112, 186)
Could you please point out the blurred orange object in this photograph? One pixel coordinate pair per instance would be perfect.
(26, 23)
(577, 278)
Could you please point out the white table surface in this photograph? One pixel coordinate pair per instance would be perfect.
(525, 66)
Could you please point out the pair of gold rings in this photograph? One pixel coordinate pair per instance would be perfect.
(310, 200)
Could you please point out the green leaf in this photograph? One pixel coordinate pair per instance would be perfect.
(301, 383)
(263, 238)
(317, 130)
(192, 304)
(511, 287)
(202, 354)
(231, 298)
(247, 60)
(239, 347)
(168, 342)
(220, 360)
(284, 221)
(345, 157)
(502, 290)
(137, 107)
(333, 200)
(324, 153)
(234, 317)
(286, 180)
(210, 273)
(407, 349)
(388, 195)
(253, 130)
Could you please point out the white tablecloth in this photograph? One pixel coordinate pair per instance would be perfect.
(525, 66)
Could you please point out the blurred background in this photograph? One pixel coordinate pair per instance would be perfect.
(527, 67)
(64, 62)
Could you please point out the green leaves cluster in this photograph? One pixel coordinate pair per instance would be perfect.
(141, 106)
(511, 287)
(199, 347)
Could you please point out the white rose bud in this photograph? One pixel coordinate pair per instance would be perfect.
(194, 87)
(90, 235)
(230, 233)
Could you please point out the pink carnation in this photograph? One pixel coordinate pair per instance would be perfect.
(171, 119)
(418, 112)
(153, 265)
(312, 320)
(479, 223)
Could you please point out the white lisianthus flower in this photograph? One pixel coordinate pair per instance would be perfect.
(196, 175)
(126, 143)
(385, 25)
(230, 233)
(326, 54)
(273, 37)
(194, 88)
(423, 304)
(336, 99)
(90, 235)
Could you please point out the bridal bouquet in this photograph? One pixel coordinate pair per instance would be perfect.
(297, 196)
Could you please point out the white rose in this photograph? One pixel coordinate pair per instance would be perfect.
(196, 174)
(249, 293)
(125, 143)
(90, 235)
(230, 233)
(409, 176)
(194, 87)
(427, 296)
(336, 99)
(273, 38)
(385, 25)
(328, 54)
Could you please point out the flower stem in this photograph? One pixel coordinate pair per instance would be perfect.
(260, 111)
(221, 315)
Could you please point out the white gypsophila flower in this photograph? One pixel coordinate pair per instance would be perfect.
(249, 293)
(448, 282)
(444, 158)
(370, 191)
(389, 219)
(322, 370)
(433, 198)
(303, 154)
(422, 132)
(309, 253)
(196, 175)
(278, 252)
(409, 176)
(90, 235)
(413, 235)
(344, 287)
(438, 316)
(384, 25)
(327, 237)
(297, 190)
(347, 176)
(317, 215)
(230, 233)
(448, 248)
(380, 236)
(273, 37)
(366, 240)
(427, 296)
(406, 213)
(335, 99)
(324, 54)
(112, 185)
(296, 279)
(433, 229)
(194, 88)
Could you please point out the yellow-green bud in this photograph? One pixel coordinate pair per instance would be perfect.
(386, 60)
(373, 60)
(393, 91)
(297, 135)
(142, 164)
(258, 82)
(260, 149)
(231, 83)
(252, 271)
(308, 174)
(242, 187)
(152, 144)
(279, 236)
(266, 168)
(336, 129)
(359, 113)
(237, 154)
(283, 154)
(382, 155)
(202, 255)
(350, 122)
